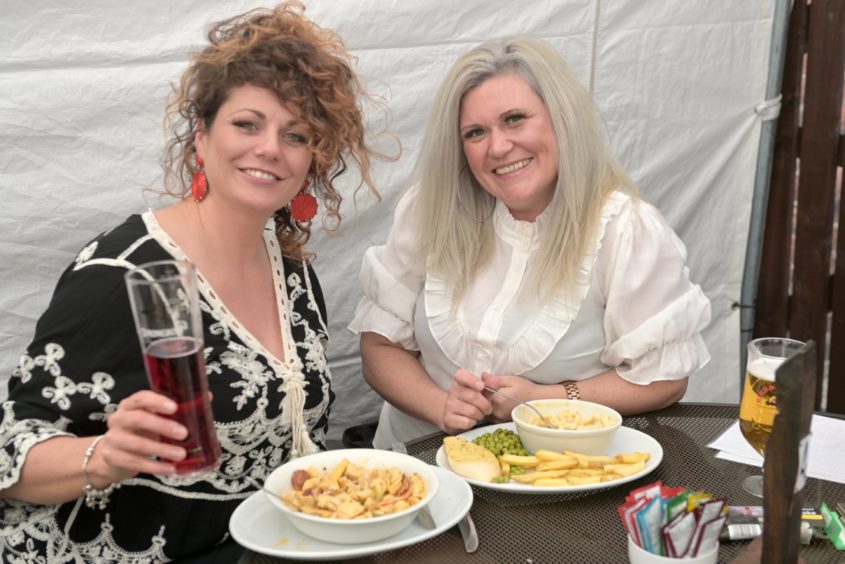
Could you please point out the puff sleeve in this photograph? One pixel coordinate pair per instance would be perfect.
(654, 314)
(392, 277)
(67, 383)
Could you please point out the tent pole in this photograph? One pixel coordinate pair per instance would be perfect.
(751, 272)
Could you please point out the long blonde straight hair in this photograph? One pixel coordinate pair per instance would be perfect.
(454, 211)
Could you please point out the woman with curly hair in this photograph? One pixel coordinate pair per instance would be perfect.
(263, 122)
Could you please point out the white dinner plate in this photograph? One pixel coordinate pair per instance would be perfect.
(626, 440)
(261, 527)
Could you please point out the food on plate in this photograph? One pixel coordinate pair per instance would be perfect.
(569, 468)
(353, 491)
(591, 460)
(471, 460)
(625, 469)
(501, 441)
(524, 461)
(545, 468)
(572, 420)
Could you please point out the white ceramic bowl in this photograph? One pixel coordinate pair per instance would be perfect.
(351, 531)
(638, 555)
(586, 441)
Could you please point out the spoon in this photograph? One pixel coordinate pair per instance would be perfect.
(519, 401)
(260, 486)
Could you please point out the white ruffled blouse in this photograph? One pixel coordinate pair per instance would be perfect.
(633, 308)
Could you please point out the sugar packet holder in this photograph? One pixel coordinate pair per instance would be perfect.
(672, 521)
(637, 500)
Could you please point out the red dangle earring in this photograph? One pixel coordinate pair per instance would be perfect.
(199, 183)
(303, 208)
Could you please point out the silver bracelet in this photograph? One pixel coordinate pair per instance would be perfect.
(94, 498)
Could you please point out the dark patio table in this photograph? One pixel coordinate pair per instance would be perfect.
(585, 527)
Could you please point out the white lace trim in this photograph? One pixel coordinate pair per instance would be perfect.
(555, 317)
(18, 547)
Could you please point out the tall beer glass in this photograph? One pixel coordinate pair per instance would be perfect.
(165, 306)
(758, 406)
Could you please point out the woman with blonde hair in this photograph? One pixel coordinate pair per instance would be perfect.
(265, 119)
(522, 258)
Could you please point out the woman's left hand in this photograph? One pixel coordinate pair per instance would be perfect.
(516, 386)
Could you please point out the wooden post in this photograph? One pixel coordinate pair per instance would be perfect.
(785, 464)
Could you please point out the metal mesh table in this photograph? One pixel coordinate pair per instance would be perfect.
(585, 527)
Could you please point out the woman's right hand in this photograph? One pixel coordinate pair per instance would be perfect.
(133, 441)
(51, 473)
(465, 404)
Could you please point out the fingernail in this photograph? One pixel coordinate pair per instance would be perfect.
(169, 406)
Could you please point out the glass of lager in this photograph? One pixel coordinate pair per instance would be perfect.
(758, 407)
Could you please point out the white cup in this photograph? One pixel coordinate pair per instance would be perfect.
(639, 555)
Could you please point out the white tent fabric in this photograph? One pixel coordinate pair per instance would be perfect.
(84, 86)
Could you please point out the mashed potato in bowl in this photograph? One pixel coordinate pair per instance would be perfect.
(573, 420)
(589, 435)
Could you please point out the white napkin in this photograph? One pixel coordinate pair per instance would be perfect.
(825, 460)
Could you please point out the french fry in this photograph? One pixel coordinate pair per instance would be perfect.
(562, 464)
(591, 461)
(625, 469)
(531, 477)
(548, 455)
(583, 480)
(547, 468)
(517, 460)
(552, 482)
(506, 468)
(633, 457)
(584, 472)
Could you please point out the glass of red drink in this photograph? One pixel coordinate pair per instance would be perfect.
(165, 306)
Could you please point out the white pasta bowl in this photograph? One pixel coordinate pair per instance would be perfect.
(585, 441)
(351, 531)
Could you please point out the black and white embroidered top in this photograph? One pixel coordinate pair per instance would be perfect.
(85, 357)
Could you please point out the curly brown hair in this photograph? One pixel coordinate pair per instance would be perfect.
(309, 70)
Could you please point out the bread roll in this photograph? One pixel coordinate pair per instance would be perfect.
(471, 460)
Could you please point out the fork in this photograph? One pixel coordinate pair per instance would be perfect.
(261, 486)
(468, 533)
(425, 517)
(519, 401)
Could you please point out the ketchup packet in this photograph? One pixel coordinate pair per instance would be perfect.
(627, 512)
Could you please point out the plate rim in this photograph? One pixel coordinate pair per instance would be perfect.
(511, 487)
(328, 551)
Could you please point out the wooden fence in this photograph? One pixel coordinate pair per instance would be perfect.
(801, 288)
